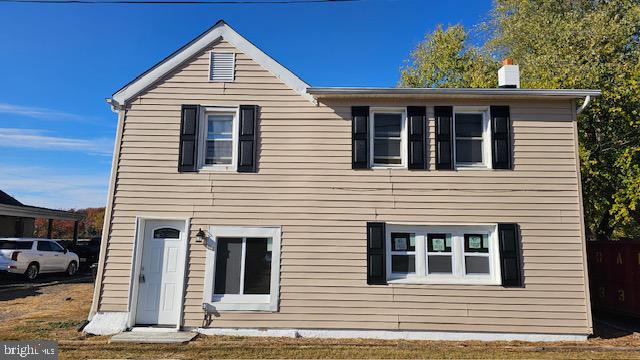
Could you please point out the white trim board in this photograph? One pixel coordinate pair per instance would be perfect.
(219, 31)
(392, 335)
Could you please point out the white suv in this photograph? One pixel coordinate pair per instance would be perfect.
(34, 256)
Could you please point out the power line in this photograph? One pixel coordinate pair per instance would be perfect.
(174, 2)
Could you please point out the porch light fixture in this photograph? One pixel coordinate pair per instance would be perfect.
(200, 236)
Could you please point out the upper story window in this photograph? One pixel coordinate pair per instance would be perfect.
(222, 67)
(472, 138)
(220, 138)
(456, 254)
(389, 137)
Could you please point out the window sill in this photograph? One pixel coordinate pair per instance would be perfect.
(234, 306)
(381, 167)
(466, 168)
(206, 169)
(445, 281)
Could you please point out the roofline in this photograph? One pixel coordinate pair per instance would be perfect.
(38, 212)
(334, 92)
(221, 30)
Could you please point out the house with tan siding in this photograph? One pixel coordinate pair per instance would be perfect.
(245, 201)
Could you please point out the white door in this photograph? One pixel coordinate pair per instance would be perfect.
(161, 272)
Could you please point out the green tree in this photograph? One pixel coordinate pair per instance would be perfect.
(561, 44)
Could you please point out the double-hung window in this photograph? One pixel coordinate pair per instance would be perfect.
(442, 254)
(403, 254)
(472, 137)
(219, 148)
(388, 147)
(242, 268)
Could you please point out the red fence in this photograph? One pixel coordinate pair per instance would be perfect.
(614, 276)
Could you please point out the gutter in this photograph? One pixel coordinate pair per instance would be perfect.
(387, 92)
(364, 91)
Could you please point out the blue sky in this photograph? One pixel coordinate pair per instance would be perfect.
(59, 62)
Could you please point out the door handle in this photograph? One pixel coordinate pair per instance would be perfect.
(141, 278)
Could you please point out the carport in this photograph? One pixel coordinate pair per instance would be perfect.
(17, 219)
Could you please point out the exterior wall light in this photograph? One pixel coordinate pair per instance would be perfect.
(200, 236)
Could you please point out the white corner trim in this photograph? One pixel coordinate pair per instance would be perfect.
(392, 335)
(220, 31)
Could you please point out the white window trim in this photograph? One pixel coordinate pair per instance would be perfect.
(458, 276)
(202, 146)
(418, 248)
(486, 138)
(403, 137)
(235, 302)
(233, 71)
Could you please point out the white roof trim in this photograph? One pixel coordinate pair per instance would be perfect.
(320, 92)
(219, 31)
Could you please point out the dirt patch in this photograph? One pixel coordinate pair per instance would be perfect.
(46, 312)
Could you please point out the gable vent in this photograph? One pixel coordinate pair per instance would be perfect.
(222, 67)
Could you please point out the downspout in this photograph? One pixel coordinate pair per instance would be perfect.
(585, 104)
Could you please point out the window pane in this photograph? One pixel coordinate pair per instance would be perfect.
(468, 125)
(478, 243)
(403, 242)
(257, 266)
(403, 263)
(394, 161)
(220, 124)
(44, 246)
(439, 243)
(219, 152)
(56, 247)
(15, 245)
(468, 151)
(386, 147)
(387, 125)
(476, 264)
(166, 233)
(228, 265)
(439, 264)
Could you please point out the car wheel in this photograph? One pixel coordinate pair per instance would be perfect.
(32, 271)
(72, 269)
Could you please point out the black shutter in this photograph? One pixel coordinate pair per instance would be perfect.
(376, 268)
(188, 152)
(444, 137)
(500, 137)
(247, 135)
(359, 137)
(510, 255)
(417, 137)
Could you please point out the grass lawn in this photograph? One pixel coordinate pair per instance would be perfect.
(52, 312)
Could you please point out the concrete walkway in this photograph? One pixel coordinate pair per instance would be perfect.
(152, 337)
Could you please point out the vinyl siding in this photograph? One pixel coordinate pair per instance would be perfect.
(306, 185)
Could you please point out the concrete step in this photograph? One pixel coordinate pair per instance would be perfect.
(153, 337)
